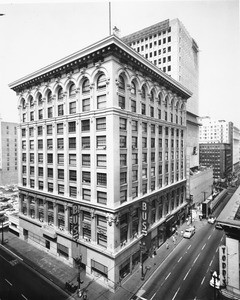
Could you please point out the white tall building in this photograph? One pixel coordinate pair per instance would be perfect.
(102, 135)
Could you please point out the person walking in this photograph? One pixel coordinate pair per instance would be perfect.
(167, 245)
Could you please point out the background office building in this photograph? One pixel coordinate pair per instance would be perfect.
(169, 46)
(105, 130)
(8, 153)
(219, 156)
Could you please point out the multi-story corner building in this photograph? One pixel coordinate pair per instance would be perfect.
(104, 130)
(8, 153)
(229, 254)
(219, 156)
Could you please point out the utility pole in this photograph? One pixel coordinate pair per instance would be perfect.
(142, 247)
(2, 218)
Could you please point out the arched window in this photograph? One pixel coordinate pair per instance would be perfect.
(60, 93)
(72, 90)
(49, 96)
(101, 82)
(172, 104)
(152, 96)
(143, 93)
(166, 102)
(23, 103)
(121, 83)
(86, 86)
(31, 101)
(133, 88)
(160, 99)
(40, 100)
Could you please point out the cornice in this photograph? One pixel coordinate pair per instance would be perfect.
(111, 45)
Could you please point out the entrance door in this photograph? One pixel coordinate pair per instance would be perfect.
(47, 244)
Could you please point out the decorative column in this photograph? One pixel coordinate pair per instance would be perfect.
(66, 217)
(36, 208)
(55, 214)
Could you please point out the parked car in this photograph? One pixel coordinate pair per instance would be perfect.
(216, 285)
(211, 219)
(189, 232)
(218, 226)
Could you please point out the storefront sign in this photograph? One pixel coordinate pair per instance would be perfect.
(223, 265)
(75, 231)
(144, 218)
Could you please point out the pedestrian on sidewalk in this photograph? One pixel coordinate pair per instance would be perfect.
(181, 232)
(173, 238)
(167, 245)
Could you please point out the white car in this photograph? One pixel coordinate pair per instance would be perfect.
(211, 219)
(217, 280)
(189, 232)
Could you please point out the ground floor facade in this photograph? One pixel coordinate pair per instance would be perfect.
(108, 242)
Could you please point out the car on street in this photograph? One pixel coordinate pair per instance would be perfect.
(211, 219)
(189, 232)
(215, 280)
(218, 225)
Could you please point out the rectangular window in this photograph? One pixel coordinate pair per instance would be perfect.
(86, 177)
(134, 192)
(40, 144)
(86, 194)
(101, 101)
(134, 175)
(121, 102)
(32, 116)
(101, 124)
(50, 112)
(86, 104)
(101, 160)
(40, 157)
(123, 177)
(102, 197)
(60, 110)
(50, 187)
(72, 159)
(86, 142)
(50, 172)
(50, 158)
(85, 125)
(102, 179)
(123, 124)
(134, 142)
(72, 127)
(123, 196)
(134, 125)
(101, 142)
(134, 158)
(40, 130)
(143, 109)
(73, 191)
(72, 175)
(49, 144)
(60, 174)
(31, 144)
(60, 128)
(72, 108)
(123, 141)
(60, 189)
(60, 158)
(40, 114)
(123, 160)
(40, 171)
(133, 106)
(86, 160)
(60, 144)
(72, 143)
(49, 129)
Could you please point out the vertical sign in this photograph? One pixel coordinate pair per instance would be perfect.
(223, 265)
(75, 233)
(144, 218)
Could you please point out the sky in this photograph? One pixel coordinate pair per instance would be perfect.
(36, 34)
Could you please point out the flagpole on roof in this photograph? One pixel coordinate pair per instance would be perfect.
(109, 6)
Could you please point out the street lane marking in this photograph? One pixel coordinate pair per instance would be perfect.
(196, 259)
(24, 297)
(186, 274)
(203, 246)
(8, 282)
(176, 293)
(179, 259)
(209, 236)
(153, 296)
(189, 247)
(211, 262)
(203, 280)
(168, 276)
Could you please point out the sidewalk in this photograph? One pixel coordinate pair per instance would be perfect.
(58, 272)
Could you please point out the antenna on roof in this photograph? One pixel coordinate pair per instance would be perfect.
(110, 26)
